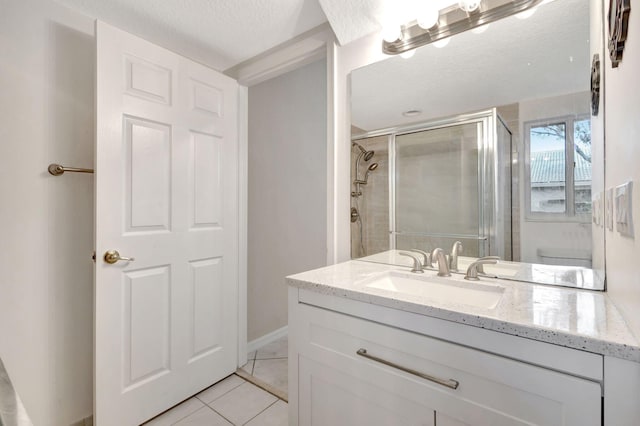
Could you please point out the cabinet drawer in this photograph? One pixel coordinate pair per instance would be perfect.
(330, 396)
(464, 385)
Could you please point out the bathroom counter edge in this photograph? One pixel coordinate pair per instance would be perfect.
(574, 318)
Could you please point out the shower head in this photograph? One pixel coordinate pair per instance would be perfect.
(368, 155)
(365, 180)
(371, 168)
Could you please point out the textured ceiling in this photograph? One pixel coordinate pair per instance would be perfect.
(513, 60)
(219, 33)
(353, 19)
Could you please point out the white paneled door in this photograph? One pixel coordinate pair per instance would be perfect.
(166, 321)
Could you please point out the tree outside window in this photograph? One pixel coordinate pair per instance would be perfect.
(559, 168)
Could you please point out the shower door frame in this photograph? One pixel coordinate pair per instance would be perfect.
(487, 173)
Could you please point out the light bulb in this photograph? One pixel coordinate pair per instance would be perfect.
(391, 33)
(469, 5)
(408, 53)
(428, 18)
(442, 42)
(480, 29)
(527, 13)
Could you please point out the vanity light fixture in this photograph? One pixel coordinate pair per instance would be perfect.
(527, 13)
(408, 54)
(441, 43)
(391, 33)
(480, 29)
(452, 19)
(428, 16)
(469, 6)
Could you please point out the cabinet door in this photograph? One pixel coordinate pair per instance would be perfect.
(491, 391)
(331, 397)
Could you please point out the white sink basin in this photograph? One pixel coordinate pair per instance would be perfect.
(439, 289)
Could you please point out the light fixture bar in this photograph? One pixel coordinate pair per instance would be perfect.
(453, 21)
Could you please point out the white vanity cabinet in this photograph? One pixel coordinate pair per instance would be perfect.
(353, 363)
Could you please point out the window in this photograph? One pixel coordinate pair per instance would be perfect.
(558, 169)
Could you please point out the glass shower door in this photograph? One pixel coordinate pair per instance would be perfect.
(439, 190)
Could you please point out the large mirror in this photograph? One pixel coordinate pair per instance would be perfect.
(486, 139)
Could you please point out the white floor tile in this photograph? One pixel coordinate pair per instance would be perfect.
(273, 372)
(177, 413)
(251, 355)
(276, 415)
(219, 389)
(276, 349)
(248, 367)
(243, 403)
(204, 417)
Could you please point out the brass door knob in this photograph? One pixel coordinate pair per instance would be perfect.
(112, 256)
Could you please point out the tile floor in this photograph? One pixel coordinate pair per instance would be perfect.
(236, 401)
(269, 365)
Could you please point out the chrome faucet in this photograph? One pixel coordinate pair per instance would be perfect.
(453, 257)
(472, 270)
(417, 264)
(426, 261)
(443, 263)
(480, 267)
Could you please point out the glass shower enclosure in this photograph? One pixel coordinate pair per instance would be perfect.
(448, 180)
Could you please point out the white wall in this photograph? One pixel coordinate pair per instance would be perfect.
(46, 222)
(548, 234)
(47, 56)
(287, 189)
(354, 55)
(622, 145)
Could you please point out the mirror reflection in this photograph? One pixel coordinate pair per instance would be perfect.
(486, 141)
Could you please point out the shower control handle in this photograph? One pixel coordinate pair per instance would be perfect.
(354, 214)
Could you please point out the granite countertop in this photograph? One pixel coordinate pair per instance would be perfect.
(574, 318)
(12, 412)
(565, 276)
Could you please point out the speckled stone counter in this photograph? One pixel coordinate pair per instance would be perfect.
(12, 412)
(565, 276)
(574, 318)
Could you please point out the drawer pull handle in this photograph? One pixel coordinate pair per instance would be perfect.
(450, 383)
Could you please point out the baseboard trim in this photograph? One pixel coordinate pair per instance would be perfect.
(267, 338)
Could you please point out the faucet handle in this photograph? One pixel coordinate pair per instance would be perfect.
(472, 270)
(443, 262)
(480, 267)
(456, 249)
(426, 261)
(417, 265)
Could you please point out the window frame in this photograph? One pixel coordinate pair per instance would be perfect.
(569, 215)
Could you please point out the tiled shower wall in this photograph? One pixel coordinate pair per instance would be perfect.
(373, 204)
